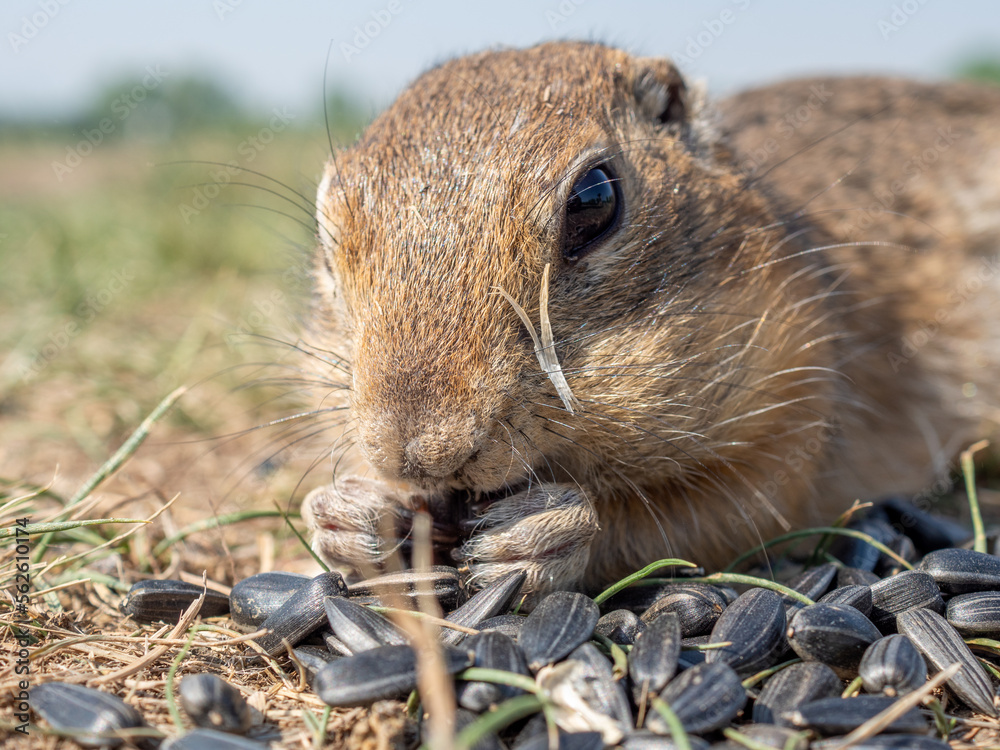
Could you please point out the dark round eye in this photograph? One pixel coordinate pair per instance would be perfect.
(591, 211)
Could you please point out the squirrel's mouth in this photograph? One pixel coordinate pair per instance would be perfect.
(455, 516)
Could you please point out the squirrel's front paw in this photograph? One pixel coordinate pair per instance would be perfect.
(546, 531)
(354, 522)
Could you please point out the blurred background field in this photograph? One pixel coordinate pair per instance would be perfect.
(128, 267)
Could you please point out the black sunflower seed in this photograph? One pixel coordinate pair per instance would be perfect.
(893, 666)
(704, 698)
(858, 596)
(213, 703)
(358, 628)
(91, 715)
(928, 532)
(509, 625)
(942, 646)
(484, 605)
(301, 614)
(907, 590)
(792, 687)
(697, 606)
(652, 662)
(492, 650)
(620, 626)
(962, 571)
(754, 625)
(834, 634)
(855, 577)
(560, 623)
(150, 601)
(976, 614)
(858, 553)
(440, 581)
(842, 715)
(253, 599)
(378, 674)
(813, 582)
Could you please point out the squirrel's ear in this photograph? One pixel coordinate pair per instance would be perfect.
(660, 91)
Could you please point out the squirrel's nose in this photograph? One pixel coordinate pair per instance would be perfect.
(431, 448)
(436, 452)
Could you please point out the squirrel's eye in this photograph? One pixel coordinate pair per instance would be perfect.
(591, 211)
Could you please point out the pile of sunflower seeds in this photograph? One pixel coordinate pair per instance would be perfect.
(753, 669)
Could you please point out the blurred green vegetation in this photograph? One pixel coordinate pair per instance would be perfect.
(122, 186)
(983, 69)
(138, 241)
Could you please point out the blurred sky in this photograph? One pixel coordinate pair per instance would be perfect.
(57, 54)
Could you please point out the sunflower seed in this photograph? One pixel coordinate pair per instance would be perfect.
(842, 715)
(885, 742)
(754, 625)
(928, 532)
(301, 614)
(857, 553)
(792, 687)
(705, 697)
(646, 740)
(892, 666)
(834, 634)
(603, 692)
(908, 590)
(584, 695)
(697, 606)
(621, 626)
(312, 659)
(813, 582)
(560, 623)
(483, 605)
(213, 703)
(91, 715)
(858, 596)
(153, 600)
(652, 662)
(771, 735)
(903, 546)
(212, 739)
(253, 599)
(492, 650)
(942, 646)
(358, 628)
(855, 577)
(509, 625)
(441, 581)
(378, 674)
(975, 614)
(963, 571)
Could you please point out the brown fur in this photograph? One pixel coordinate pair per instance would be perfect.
(730, 355)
